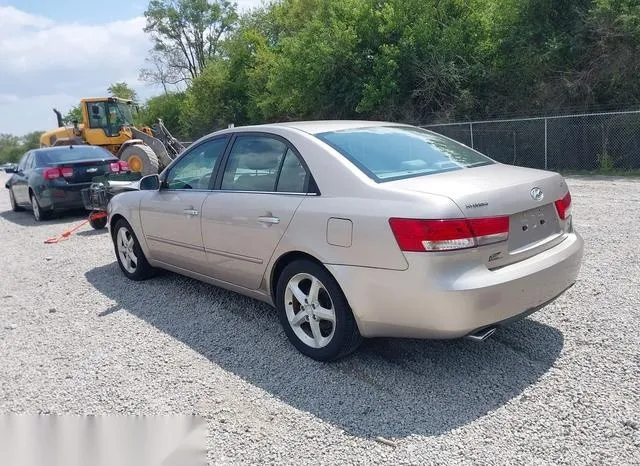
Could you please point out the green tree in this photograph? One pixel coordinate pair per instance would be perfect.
(411, 60)
(13, 147)
(74, 114)
(186, 35)
(168, 107)
(122, 90)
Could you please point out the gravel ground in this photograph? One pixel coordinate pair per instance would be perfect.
(561, 387)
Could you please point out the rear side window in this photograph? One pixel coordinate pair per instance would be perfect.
(388, 153)
(23, 162)
(77, 154)
(293, 176)
(253, 164)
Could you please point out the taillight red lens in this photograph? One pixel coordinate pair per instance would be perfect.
(124, 166)
(417, 235)
(67, 172)
(115, 167)
(51, 173)
(563, 206)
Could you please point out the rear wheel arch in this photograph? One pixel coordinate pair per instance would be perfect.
(282, 262)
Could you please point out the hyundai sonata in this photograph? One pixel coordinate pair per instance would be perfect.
(355, 229)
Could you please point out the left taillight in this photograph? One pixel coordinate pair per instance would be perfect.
(563, 206)
(53, 173)
(420, 235)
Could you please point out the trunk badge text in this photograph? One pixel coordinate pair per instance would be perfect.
(537, 194)
(92, 170)
(476, 205)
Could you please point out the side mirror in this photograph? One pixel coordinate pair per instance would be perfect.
(150, 183)
(10, 170)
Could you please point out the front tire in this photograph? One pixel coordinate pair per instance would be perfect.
(131, 259)
(14, 205)
(314, 312)
(141, 159)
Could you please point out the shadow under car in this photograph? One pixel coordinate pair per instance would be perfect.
(390, 387)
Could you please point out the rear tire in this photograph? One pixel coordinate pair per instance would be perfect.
(141, 159)
(14, 206)
(314, 312)
(38, 214)
(131, 259)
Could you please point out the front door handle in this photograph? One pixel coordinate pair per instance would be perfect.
(191, 212)
(269, 220)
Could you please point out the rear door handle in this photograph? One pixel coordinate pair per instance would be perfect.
(269, 220)
(191, 212)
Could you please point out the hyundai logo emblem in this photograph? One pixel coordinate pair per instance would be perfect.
(537, 194)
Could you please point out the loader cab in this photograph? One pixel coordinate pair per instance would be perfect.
(104, 118)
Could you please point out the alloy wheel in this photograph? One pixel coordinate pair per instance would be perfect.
(125, 243)
(310, 310)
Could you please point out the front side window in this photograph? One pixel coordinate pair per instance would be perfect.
(195, 169)
(388, 153)
(254, 164)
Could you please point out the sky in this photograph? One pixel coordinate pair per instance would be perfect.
(53, 53)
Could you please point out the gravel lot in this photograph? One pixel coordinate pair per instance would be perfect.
(560, 387)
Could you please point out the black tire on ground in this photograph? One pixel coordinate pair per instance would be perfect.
(145, 155)
(98, 223)
(38, 214)
(142, 270)
(346, 337)
(15, 207)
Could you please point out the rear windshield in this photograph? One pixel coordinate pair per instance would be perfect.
(77, 154)
(388, 153)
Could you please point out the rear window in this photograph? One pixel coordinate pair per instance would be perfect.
(387, 153)
(77, 154)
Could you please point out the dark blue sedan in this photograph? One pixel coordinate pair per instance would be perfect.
(50, 179)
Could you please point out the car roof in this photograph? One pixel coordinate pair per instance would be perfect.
(63, 148)
(321, 126)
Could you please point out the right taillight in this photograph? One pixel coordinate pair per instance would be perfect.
(563, 206)
(419, 235)
(119, 166)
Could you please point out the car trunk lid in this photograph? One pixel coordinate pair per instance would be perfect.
(84, 171)
(527, 196)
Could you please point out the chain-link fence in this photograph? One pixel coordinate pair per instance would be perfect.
(604, 141)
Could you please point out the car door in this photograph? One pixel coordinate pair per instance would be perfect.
(171, 217)
(20, 180)
(263, 183)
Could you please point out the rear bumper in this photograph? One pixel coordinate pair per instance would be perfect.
(64, 197)
(441, 297)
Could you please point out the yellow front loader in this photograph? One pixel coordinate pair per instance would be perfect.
(108, 122)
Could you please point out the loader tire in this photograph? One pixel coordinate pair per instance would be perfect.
(140, 159)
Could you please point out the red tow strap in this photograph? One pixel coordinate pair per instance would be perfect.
(65, 235)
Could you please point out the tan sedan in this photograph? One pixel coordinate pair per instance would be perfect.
(355, 229)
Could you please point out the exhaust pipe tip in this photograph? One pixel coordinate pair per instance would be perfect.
(482, 334)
